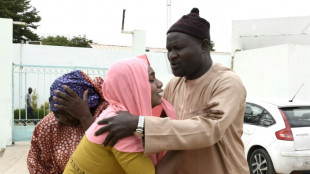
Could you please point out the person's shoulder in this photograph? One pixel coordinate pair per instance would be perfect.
(223, 73)
(45, 129)
(225, 78)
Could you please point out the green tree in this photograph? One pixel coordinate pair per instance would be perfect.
(22, 11)
(58, 41)
(34, 99)
(212, 46)
(45, 107)
(76, 41)
(79, 41)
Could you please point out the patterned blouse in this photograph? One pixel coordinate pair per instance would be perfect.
(52, 143)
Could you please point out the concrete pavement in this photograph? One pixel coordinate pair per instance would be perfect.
(13, 160)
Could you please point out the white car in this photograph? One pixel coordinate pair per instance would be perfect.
(276, 136)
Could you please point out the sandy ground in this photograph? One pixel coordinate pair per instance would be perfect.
(13, 159)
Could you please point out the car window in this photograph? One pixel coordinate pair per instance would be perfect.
(251, 114)
(266, 119)
(297, 116)
(257, 115)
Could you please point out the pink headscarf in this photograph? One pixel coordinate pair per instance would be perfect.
(127, 88)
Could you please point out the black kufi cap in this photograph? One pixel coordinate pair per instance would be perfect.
(193, 25)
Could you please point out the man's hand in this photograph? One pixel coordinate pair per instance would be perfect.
(119, 126)
(208, 112)
(74, 105)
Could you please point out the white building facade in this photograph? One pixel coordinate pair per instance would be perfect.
(272, 57)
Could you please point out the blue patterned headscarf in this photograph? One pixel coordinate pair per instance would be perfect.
(76, 81)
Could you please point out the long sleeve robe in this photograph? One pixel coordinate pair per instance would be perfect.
(212, 146)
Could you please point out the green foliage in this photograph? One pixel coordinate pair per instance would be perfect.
(22, 11)
(212, 46)
(34, 99)
(39, 114)
(76, 41)
(79, 41)
(45, 106)
(58, 41)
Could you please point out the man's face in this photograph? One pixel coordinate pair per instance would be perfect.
(29, 90)
(184, 54)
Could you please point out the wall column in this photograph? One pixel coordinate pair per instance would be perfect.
(6, 59)
(138, 42)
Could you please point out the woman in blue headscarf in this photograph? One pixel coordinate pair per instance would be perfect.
(56, 136)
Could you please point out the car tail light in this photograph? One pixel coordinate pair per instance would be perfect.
(286, 133)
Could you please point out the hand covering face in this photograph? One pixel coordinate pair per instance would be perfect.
(76, 80)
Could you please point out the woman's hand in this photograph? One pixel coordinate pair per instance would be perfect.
(74, 105)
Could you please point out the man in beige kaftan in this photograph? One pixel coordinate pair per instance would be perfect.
(212, 146)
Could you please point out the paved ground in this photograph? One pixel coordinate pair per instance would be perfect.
(13, 159)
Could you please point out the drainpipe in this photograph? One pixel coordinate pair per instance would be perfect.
(123, 21)
(168, 14)
(232, 61)
(138, 38)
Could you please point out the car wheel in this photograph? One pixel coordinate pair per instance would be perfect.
(260, 162)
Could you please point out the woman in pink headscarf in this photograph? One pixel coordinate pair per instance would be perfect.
(130, 85)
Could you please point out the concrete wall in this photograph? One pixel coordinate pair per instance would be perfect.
(222, 58)
(258, 33)
(6, 56)
(26, 54)
(66, 56)
(275, 72)
(90, 57)
(69, 56)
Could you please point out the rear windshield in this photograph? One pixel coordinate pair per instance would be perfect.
(298, 116)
